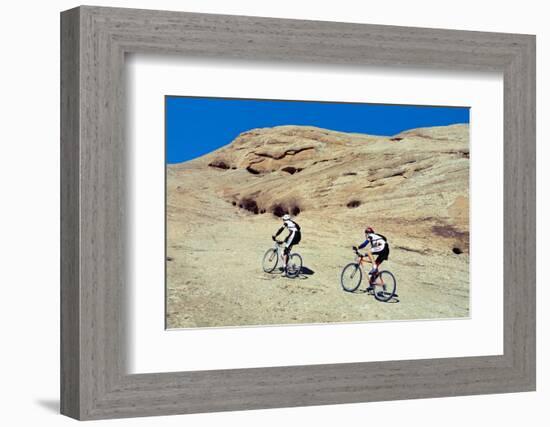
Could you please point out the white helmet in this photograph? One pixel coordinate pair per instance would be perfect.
(286, 217)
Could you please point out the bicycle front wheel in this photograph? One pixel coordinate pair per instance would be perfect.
(351, 277)
(270, 260)
(294, 265)
(384, 286)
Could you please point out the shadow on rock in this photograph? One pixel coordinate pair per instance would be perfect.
(394, 299)
(307, 271)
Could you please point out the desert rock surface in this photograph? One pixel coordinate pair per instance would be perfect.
(222, 209)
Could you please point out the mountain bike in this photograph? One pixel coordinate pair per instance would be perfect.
(275, 254)
(382, 283)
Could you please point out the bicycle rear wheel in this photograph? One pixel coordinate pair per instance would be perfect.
(384, 286)
(270, 260)
(294, 265)
(351, 277)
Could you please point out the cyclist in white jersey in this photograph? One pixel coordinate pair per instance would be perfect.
(293, 238)
(378, 245)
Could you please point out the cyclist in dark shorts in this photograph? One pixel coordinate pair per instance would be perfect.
(378, 245)
(293, 237)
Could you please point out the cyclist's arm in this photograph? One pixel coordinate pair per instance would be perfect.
(279, 231)
(364, 244)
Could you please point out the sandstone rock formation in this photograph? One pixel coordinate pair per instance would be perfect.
(413, 187)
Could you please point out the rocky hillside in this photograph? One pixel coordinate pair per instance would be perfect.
(418, 177)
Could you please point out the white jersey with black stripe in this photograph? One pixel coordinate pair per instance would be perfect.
(291, 225)
(377, 243)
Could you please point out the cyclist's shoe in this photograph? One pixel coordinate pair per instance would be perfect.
(381, 294)
(374, 270)
(370, 289)
(281, 269)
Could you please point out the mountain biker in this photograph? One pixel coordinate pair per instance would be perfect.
(293, 238)
(379, 245)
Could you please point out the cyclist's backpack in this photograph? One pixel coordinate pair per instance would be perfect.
(385, 240)
(298, 234)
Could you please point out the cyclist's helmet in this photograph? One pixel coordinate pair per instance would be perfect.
(286, 217)
(369, 230)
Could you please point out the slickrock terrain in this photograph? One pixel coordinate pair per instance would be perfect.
(222, 209)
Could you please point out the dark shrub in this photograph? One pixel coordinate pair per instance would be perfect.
(250, 205)
(353, 204)
(220, 164)
(278, 210)
(291, 170)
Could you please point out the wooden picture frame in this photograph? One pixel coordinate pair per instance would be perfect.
(94, 382)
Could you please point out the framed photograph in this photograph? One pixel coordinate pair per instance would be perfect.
(262, 213)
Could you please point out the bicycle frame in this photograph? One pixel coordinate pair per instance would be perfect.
(279, 248)
(362, 259)
(279, 251)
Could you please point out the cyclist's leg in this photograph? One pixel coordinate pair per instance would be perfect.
(288, 246)
(375, 263)
(369, 255)
(370, 274)
(288, 249)
(286, 253)
(382, 256)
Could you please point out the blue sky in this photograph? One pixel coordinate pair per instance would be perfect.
(197, 126)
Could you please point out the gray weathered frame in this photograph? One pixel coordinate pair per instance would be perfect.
(94, 382)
